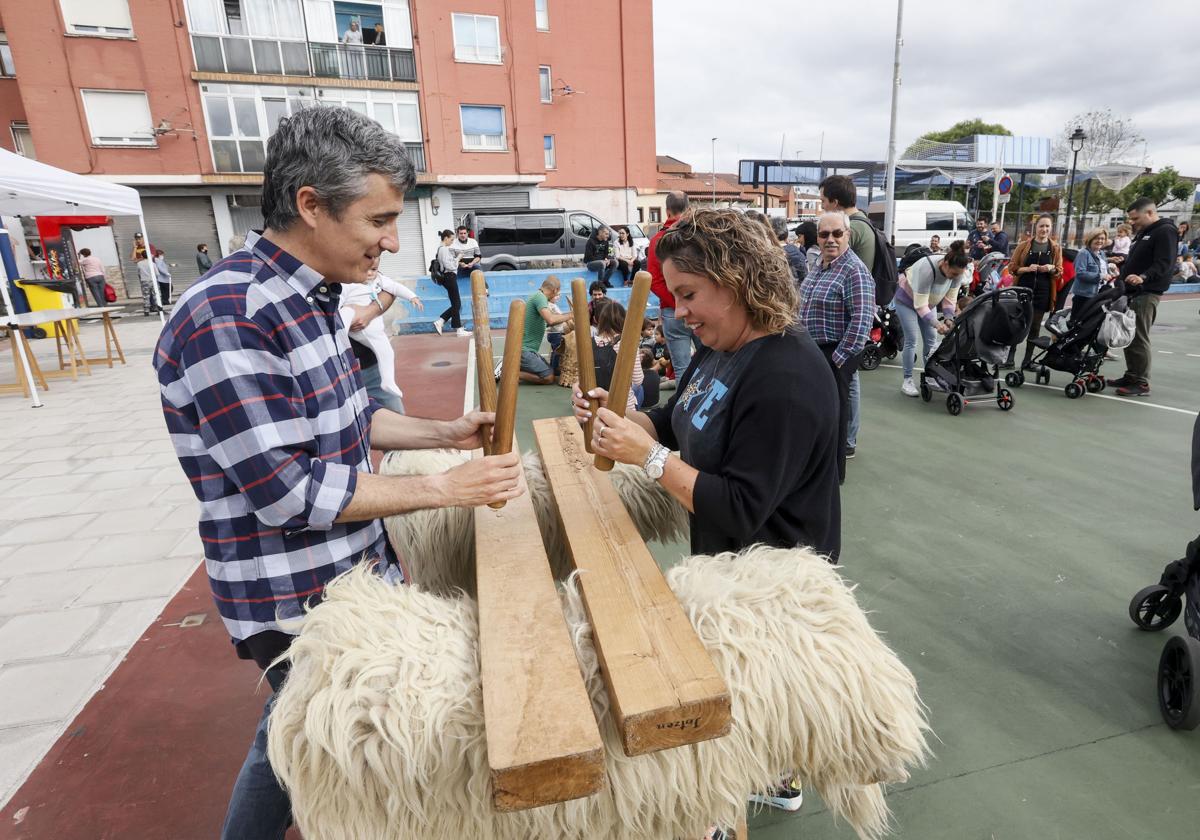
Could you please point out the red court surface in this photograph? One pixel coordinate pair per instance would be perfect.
(155, 752)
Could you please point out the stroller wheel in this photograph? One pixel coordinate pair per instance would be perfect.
(1005, 399)
(1074, 390)
(926, 392)
(1014, 379)
(870, 357)
(1096, 384)
(1155, 608)
(954, 404)
(1042, 377)
(1179, 681)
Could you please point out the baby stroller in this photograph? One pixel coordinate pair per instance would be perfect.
(1074, 344)
(886, 339)
(988, 272)
(966, 363)
(1156, 608)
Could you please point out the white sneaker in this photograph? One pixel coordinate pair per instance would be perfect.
(438, 323)
(461, 333)
(908, 388)
(787, 797)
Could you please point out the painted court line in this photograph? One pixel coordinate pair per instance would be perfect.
(469, 386)
(1124, 400)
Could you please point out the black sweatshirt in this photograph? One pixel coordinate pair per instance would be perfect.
(761, 426)
(1152, 257)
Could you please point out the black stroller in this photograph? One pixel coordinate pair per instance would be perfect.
(885, 340)
(1073, 345)
(966, 363)
(1156, 608)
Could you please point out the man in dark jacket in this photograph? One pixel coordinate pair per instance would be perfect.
(598, 255)
(999, 240)
(795, 257)
(1147, 274)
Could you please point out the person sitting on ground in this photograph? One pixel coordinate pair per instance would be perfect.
(539, 314)
(932, 281)
(660, 354)
(1186, 270)
(599, 255)
(651, 379)
(795, 257)
(626, 256)
(1037, 264)
(1091, 268)
(610, 321)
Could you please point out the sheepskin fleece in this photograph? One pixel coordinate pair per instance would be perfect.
(438, 546)
(378, 731)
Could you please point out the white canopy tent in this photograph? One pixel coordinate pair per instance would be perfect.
(31, 188)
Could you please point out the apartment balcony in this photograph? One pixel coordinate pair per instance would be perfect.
(416, 151)
(274, 57)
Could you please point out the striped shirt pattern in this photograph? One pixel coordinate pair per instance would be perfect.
(837, 305)
(266, 410)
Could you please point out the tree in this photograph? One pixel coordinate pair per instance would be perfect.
(1162, 186)
(1110, 139)
(961, 130)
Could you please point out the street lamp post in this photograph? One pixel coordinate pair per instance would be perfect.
(1077, 137)
(714, 172)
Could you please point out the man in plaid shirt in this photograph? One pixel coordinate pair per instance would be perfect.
(837, 307)
(268, 415)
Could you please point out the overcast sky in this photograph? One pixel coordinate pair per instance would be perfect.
(748, 72)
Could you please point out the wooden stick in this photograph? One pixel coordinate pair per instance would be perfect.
(485, 374)
(510, 376)
(583, 353)
(662, 685)
(627, 354)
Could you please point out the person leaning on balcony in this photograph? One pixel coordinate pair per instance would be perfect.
(353, 35)
(266, 409)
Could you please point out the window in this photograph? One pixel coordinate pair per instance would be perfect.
(23, 140)
(98, 17)
(548, 145)
(541, 11)
(964, 221)
(477, 38)
(939, 221)
(6, 62)
(641, 215)
(483, 127)
(655, 215)
(539, 229)
(119, 117)
(544, 83)
(496, 230)
(582, 225)
(636, 232)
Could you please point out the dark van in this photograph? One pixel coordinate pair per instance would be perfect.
(521, 238)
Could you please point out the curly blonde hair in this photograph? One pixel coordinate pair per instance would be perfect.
(738, 254)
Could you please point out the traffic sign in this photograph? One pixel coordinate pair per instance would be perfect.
(1005, 185)
(1004, 197)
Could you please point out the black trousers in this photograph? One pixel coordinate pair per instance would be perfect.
(842, 375)
(449, 282)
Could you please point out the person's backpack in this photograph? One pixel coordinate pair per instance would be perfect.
(912, 255)
(110, 294)
(884, 268)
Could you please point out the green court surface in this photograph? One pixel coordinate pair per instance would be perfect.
(998, 552)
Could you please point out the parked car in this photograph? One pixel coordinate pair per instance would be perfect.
(516, 238)
(917, 221)
(641, 242)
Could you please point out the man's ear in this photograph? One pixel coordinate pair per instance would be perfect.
(308, 206)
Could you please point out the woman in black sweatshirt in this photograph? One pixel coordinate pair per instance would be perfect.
(755, 416)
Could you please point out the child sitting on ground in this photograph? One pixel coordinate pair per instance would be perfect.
(609, 317)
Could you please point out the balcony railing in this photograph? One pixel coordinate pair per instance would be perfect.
(269, 56)
(416, 151)
(253, 153)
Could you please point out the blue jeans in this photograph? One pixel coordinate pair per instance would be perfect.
(371, 382)
(534, 363)
(679, 341)
(912, 324)
(855, 420)
(555, 341)
(258, 808)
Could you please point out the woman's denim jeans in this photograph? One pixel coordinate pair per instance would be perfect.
(912, 324)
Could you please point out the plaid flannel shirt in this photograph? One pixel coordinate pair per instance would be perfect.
(837, 305)
(265, 407)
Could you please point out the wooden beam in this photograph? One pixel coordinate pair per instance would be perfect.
(584, 358)
(543, 745)
(662, 684)
(627, 354)
(485, 363)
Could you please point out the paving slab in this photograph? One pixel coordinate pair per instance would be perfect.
(134, 582)
(128, 549)
(20, 749)
(46, 590)
(44, 557)
(39, 635)
(41, 530)
(49, 691)
(122, 627)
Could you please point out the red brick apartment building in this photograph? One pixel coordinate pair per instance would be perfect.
(537, 103)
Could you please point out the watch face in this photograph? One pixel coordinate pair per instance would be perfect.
(655, 471)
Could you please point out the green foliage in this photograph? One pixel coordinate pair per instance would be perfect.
(964, 129)
(1162, 186)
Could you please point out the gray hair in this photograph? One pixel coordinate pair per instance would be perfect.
(677, 203)
(841, 214)
(779, 225)
(331, 150)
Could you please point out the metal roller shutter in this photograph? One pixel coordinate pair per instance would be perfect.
(176, 226)
(485, 199)
(409, 261)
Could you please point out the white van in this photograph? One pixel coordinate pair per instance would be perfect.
(917, 221)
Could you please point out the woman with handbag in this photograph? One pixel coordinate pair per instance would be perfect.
(447, 277)
(1037, 264)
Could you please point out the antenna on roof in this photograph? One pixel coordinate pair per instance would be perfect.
(565, 89)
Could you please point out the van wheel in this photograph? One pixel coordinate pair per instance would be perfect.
(504, 267)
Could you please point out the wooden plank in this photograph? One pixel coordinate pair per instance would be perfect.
(543, 745)
(585, 360)
(485, 363)
(663, 686)
(627, 354)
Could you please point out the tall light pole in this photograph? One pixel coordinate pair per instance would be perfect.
(714, 172)
(1077, 137)
(889, 215)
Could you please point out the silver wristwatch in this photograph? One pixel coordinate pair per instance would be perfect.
(656, 461)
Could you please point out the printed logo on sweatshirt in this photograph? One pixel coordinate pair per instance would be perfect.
(712, 394)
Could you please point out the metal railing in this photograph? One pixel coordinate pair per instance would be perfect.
(416, 151)
(270, 56)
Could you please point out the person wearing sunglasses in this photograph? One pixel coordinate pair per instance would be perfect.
(837, 307)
